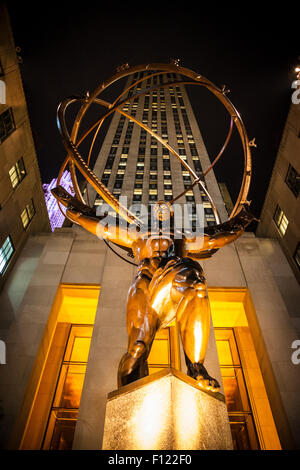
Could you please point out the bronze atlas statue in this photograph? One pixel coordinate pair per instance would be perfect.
(169, 283)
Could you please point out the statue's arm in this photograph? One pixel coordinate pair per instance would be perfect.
(217, 236)
(105, 226)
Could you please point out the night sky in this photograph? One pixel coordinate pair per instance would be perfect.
(252, 51)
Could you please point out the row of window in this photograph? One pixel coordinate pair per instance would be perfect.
(63, 415)
(190, 198)
(139, 176)
(16, 174)
(138, 185)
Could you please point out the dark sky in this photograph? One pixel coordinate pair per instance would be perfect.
(250, 49)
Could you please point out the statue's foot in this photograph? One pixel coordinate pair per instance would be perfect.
(205, 381)
(133, 366)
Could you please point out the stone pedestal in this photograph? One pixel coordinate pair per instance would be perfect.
(166, 411)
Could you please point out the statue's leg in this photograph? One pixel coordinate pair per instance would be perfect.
(193, 317)
(142, 324)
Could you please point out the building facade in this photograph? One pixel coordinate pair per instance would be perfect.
(280, 217)
(22, 207)
(134, 164)
(68, 331)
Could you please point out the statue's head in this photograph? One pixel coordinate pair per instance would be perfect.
(162, 211)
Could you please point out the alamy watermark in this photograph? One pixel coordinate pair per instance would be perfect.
(2, 352)
(185, 221)
(2, 92)
(296, 354)
(296, 94)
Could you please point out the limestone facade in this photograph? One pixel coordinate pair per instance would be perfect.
(70, 256)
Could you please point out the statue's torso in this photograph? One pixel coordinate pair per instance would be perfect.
(157, 247)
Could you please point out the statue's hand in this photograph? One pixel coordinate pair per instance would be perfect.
(72, 203)
(71, 214)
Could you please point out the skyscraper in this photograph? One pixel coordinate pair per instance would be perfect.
(134, 164)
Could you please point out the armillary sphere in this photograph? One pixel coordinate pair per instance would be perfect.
(72, 140)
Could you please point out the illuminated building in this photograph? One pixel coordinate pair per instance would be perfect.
(56, 217)
(68, 330)
(22, 207)
(133, 164)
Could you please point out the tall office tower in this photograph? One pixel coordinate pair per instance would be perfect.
(22, 206)
(134, 164)
(280, 217)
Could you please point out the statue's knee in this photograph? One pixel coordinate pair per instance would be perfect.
(190, 278)
(137, 350)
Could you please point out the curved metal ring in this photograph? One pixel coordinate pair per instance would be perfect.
(71, 142)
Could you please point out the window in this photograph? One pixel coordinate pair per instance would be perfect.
(236, 395)
(6, 252)
(7, 124)
(293, 180)
(99, 201)
(164, 351)
(297, 255)
(17, 173)
(27, 214)
(189, 195)
(280, 220)
(118, 183)
(105, 179)
(65, 406)
(197, 165)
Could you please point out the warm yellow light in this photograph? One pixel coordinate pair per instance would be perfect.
(162, 294)
(198, 339)
(159, 352)
(80, 349)
(224, 352)
(186, 417)
(150, 418)
(227, 308)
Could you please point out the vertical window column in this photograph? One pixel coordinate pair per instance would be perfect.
(6, 252)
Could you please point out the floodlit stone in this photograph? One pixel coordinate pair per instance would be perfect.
(166, 411)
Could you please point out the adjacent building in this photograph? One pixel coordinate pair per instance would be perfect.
(280, 216)
(22, 206)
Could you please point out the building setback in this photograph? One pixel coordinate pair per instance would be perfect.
(280, 217)
(56, 216)
(68, 333)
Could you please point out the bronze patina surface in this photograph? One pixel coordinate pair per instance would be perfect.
(169, 283)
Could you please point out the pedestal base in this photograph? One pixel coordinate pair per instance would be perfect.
(166, 411)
